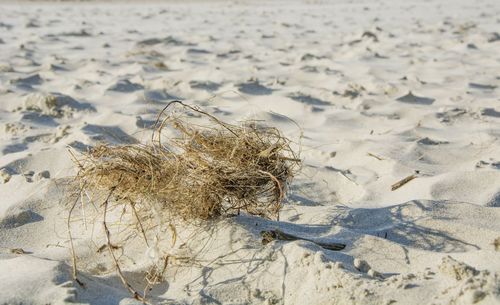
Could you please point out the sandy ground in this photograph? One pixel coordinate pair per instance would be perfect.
(382, 90)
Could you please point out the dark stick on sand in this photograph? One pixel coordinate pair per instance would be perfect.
(270, 235)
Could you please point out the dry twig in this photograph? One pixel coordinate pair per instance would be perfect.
(270, 235)
(402, 182)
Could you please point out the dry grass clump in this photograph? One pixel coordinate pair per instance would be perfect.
(195, 168)
(202, 172)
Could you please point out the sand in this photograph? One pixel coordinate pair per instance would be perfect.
(382, 90)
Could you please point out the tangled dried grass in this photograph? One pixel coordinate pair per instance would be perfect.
(203, 171)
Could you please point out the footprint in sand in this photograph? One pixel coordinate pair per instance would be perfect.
(39, 119)
(79, 146)
(485, 164)
(144, 124)
(451, 115)
(493, 37)
(14, 148)
(307, 99)
(45, 174)
(149, 42)
(198, 51)
(53, 67)
(169, 40)
(429, 141)
(159, 95)
(410, 98)
(228, 54)
(15, 217)
(490, 112)
(125, 86)
(253, 87)
(81, 33)
(108, 134)
(494, 201)
(482, 86)
(204, 85)
(309, 56)
(54, 105)
(27, 82)
(352, 91)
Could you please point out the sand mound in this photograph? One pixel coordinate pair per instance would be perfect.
(54, 104)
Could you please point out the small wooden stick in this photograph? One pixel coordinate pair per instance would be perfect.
(402, 182)
(375, 156)
(270, 235)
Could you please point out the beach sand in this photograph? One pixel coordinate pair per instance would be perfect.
(374, 91)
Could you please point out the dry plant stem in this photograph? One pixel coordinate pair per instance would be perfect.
(402, 182)
(174, 233)
(140, 222)
(191, 108)
(281, 196)
(375, 156)
(165, 264)
(129, 287)
(291, 159)
(72, 247)
(74, 273)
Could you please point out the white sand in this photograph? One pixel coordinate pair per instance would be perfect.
(381, 89)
